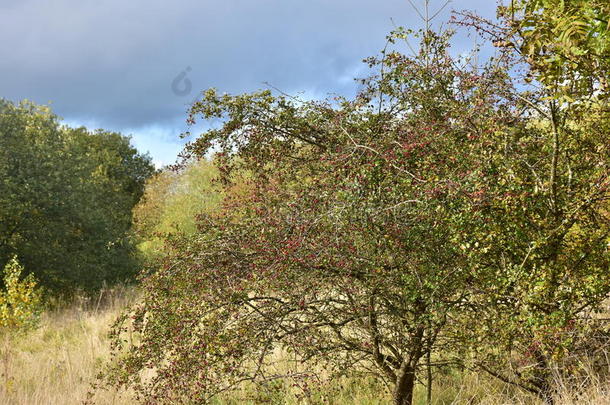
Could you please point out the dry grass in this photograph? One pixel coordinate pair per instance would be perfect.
(56, 364)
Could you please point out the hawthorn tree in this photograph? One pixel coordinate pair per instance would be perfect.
(442, 217)
(348, 248)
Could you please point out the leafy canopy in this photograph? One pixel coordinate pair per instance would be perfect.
(66, 196)
(445, 216)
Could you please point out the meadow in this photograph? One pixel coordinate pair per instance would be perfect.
(57, 363)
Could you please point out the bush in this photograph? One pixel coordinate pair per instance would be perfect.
(20, 301)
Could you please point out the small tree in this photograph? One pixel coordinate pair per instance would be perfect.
(20, 302)
(441, 217)
(546, 243)
(347, 248)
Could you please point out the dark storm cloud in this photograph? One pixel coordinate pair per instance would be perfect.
(112, 62)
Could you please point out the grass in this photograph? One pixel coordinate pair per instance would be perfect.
(56, 363)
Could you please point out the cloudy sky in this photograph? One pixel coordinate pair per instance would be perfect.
(126, 65)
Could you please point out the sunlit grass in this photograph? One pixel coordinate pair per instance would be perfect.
(57, 363)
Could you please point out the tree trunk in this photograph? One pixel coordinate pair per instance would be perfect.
(545, 392)
(405, 382)
(429, 375)
(543, 378)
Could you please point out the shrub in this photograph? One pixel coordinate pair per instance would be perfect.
(20, 301)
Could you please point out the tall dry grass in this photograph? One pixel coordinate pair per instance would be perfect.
(56, 363)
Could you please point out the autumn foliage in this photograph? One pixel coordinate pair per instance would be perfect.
(444, 217)
(20, 300)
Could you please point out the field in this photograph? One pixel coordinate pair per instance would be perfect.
(57, 362)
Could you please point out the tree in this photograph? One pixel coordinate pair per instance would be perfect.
(171, 202)
(66, 198)
(342, 251)
(20, 302)
(566, 44)
(550, 245)
(443, 217)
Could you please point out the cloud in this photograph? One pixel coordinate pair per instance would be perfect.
(113, 62)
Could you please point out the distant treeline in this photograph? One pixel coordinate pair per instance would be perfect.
(66, 197)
